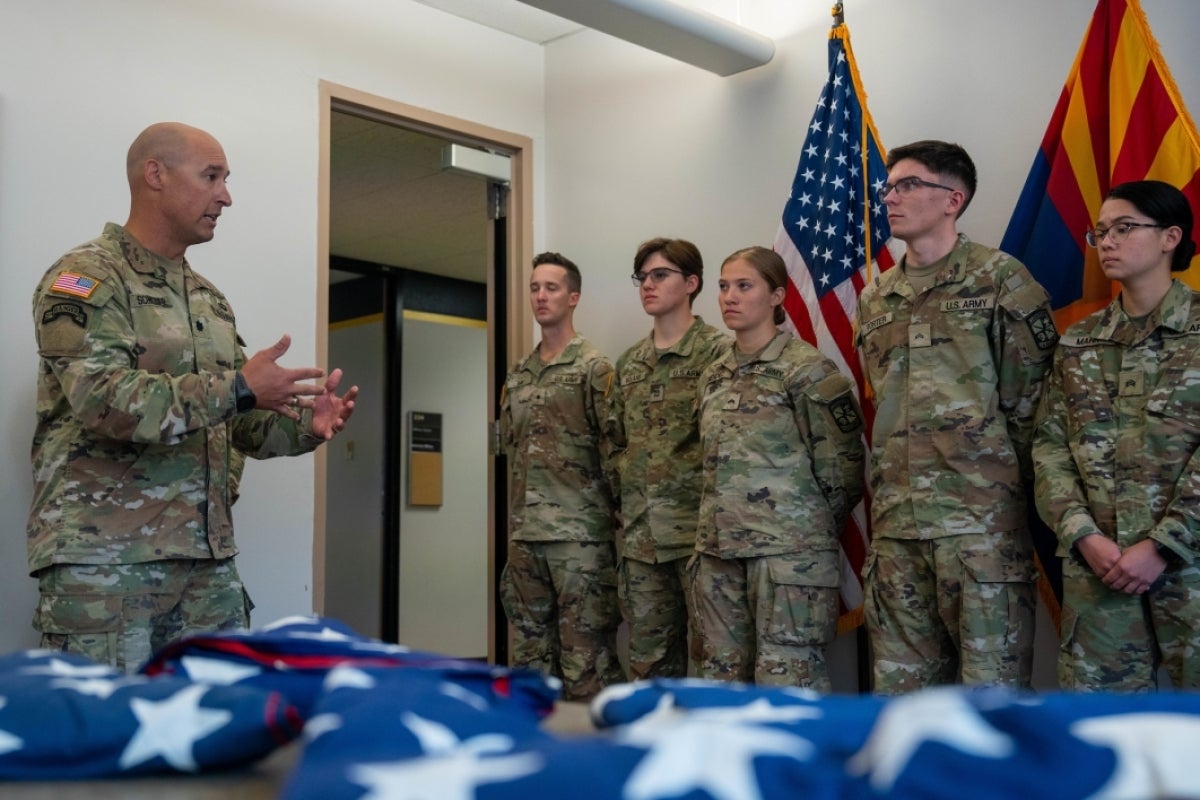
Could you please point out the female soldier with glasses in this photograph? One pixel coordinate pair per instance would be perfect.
(1116, 449)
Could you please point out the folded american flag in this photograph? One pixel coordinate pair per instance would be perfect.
(391, 734)
(947, 742)
(294, 654)
(66, 717)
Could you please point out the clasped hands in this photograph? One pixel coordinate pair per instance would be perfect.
(286, 390)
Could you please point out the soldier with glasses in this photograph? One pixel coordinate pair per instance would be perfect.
(954, 341)
(1117, 449)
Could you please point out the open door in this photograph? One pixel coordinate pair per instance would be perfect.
(387, 566)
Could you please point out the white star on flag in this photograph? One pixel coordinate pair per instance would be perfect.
(170, 728)
(710, 750)
(940, 714)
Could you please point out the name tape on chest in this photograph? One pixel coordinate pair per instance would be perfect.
(969, 303)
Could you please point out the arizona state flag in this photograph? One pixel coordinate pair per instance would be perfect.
(1119, 118)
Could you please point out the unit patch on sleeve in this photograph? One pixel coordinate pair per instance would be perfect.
(1041, 326)
(845, 414)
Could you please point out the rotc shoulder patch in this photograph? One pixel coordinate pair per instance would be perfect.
(845, 415)
(1041, 327)
(72, 283)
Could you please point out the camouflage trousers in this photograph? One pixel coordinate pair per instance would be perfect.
(1116, 641)
(561, 599)
(760, 621)
(955, 609)
(656, 602)
(120, 614)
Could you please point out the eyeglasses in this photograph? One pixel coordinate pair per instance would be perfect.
(905, 186)
(657, 275)
(1116, 233)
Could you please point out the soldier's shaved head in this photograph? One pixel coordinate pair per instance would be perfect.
(166, 141)
(177, 187)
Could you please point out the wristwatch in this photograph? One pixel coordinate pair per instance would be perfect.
(243, 398)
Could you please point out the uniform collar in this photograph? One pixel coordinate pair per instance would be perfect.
(649, 353)
(533, 361)
(1173, 313)
(955, 270)
(140, 259)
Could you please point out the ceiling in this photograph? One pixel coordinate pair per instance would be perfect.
(509, 16)
(390, 200)
(391, 203)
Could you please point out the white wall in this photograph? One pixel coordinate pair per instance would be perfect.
(639, 145)
(444, 549)
(80, 79)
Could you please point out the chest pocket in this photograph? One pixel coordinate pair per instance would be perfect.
(1173, 408)
(212, 329)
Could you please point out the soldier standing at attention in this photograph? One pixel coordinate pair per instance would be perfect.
(955, 342)
(781, 434)
(559, 583)
(144, 398)
(1116, 448)
(657, 442)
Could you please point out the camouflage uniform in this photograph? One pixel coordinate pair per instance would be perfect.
(956, 373)
(1117, 449)
(783, 468)
(559, 583)
(657, 458)
(136, 423)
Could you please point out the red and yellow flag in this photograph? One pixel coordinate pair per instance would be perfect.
(1119, 118)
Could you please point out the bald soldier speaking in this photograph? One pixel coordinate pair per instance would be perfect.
(144, 394)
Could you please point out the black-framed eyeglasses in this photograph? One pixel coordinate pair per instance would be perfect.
(1116, 233)
(906, 185)
(656, 275)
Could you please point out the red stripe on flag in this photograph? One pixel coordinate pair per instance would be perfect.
(1149, 119)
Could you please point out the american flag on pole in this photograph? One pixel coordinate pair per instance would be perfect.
(834, 236)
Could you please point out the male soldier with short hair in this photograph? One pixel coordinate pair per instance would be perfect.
(655, 423)
(955, 341)
(144, 395)
(559, 583)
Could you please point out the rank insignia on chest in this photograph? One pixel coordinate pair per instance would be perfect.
(732, 401)
(920, 335)
(658, 391)
(1132, 382)
(538, 398)
(74, 284)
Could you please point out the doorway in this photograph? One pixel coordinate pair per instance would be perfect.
(418, 572)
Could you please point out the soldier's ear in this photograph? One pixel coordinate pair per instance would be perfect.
(152, 173)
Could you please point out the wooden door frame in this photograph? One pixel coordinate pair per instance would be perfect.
(518, 333)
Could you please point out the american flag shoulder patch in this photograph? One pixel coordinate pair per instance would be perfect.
(74, 284)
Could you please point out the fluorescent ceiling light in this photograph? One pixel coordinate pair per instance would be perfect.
(692, 36)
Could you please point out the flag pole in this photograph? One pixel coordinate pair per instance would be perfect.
(839, 20)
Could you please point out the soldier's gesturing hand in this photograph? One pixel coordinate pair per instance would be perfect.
(277, 388)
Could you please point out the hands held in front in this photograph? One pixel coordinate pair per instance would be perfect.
(1132, 570)
(284, 390)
